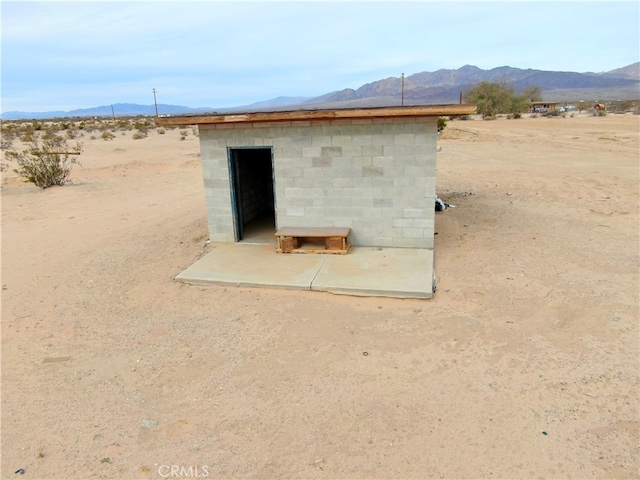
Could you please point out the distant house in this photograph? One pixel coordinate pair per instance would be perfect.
(543, 107)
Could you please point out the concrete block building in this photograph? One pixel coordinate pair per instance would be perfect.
(370, 169)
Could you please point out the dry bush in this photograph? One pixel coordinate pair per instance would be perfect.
(6, 143)
(123, 124)
(107, 136)
(47, 161)
(8, 134)
(28, 135)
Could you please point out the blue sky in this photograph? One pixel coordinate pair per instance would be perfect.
(68, 55)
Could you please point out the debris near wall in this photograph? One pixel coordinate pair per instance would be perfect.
(441, 205)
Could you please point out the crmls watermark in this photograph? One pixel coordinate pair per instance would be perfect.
(183, 471)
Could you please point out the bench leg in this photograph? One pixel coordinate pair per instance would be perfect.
(333, 243)
(287, 244)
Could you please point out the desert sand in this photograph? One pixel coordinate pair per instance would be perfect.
(523, 365)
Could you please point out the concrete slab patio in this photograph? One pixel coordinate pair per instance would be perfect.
(364, 271)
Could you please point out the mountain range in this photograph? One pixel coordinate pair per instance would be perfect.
(440, 87)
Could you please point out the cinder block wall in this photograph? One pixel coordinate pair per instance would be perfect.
(376, 176)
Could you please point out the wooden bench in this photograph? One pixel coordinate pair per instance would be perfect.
(313, 240)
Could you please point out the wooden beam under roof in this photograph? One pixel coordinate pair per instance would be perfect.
(325, 114)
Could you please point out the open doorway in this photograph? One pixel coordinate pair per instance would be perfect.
(252, 193)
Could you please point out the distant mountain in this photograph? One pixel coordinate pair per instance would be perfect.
(439, 87)
(132, 109)
(278, 102)
(119, 109)
(630, 71)
(445, 86)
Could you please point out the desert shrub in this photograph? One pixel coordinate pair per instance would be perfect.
(143, 122)
(107, 136)
(138, 135)
(161, 131)
(46, 161)
(195, 131)
(49, 133)
(184, 133)
(620, 106)
(6, 142)
(442, 122)
(142, 125)
(28, 135)
(492, 98)
(7, 136)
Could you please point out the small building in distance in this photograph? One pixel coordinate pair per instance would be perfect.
(543, 108)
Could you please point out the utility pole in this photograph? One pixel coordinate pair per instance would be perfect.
(154, 100)
(113, 114)
(402, 90)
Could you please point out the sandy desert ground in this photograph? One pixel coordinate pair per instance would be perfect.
(523, 365)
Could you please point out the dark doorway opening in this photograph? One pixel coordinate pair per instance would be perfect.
(252, 193)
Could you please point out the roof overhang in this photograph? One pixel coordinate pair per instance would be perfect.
(320, 114)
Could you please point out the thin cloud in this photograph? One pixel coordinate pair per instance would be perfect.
(64, 55)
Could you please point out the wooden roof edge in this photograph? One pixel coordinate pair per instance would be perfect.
(324, 114)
